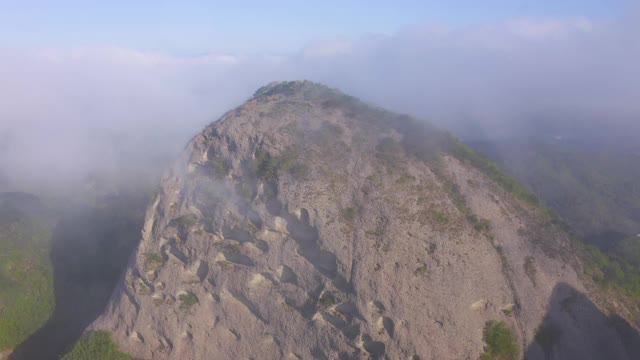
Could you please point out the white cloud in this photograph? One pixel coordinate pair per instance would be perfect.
(328, 48)
(542, 29)
(63, 110)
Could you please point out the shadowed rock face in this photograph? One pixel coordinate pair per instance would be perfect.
(575, 328)
(333, 229)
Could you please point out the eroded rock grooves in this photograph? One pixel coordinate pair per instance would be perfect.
(307, 225)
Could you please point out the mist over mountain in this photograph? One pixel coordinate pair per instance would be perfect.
(62, 109)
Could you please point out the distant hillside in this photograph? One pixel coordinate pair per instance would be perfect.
(26, 274)
(593, 185)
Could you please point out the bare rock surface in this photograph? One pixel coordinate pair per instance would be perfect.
(307, 225)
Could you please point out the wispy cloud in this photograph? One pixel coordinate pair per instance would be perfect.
(67, 113)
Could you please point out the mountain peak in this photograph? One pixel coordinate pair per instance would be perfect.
(306, 88)
(307, 224)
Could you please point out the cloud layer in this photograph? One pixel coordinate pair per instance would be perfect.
(68, 114)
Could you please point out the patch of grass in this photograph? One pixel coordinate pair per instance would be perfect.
(233, 248)
(619, 268)
(376, 233)
(427, 142)
(224, 264)
(187, 221)
(327, 300)
(388, 151)
(440, 217)
(530, 268)
(246, 191)
(349, 214)
(216, 167)
(327, 134)
(144, 290)
(266, 166)
(187, 300)
(96, 345)
(308, 89)
(421, 270)
(153, 261)
(288, 307)
(405, 179)
(456, 196)
(481, 225)
(500, 342)
(467, 155)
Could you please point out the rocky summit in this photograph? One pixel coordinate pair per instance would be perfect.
(306, 224)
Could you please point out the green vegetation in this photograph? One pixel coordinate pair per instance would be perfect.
(618, 268)
(466, 154)
(97, 345)
(288, 307)
(453, 189)
(143, 289)
(592, 186)
(246, 191)
(456, 196)
(427, 142)
(500, 342)
(266, 166)
(327, 134)
(224, 264)
(187, 300)
(440, 217)
(216, 167)
(327, 300)
(421, 270)
(405, 179)
(349, 214)
(595, 190)
(27, 295)
(481, 225)
(187, 221)
(530, 268)
(153, 261)
(308, 89)
(377, 232)
(388, 151)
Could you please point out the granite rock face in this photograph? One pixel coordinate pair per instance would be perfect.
(307, 225)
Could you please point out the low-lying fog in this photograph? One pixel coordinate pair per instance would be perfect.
(75, 117)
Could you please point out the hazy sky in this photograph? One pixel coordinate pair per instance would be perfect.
(193, 27)
(109, 87)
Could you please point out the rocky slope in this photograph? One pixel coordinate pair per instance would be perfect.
(305, 224)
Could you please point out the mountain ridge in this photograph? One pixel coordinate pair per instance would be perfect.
(307, 224)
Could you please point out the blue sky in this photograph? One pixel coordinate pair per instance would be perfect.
(251, 26)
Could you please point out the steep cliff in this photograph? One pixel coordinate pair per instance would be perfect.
(306, 224)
